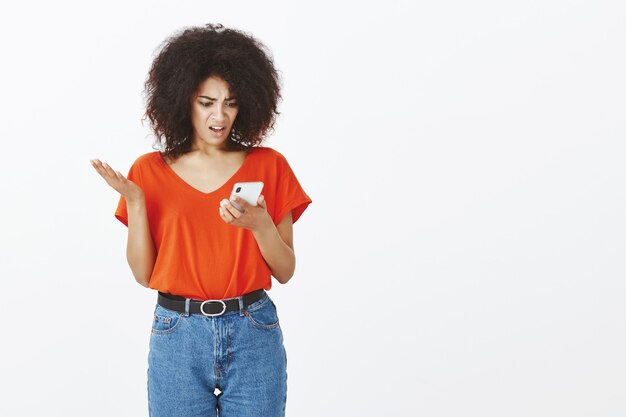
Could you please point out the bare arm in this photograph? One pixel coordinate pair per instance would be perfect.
(276, 245)
(140, 250)
(275, 241)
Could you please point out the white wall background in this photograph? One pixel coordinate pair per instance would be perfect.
(464, 251)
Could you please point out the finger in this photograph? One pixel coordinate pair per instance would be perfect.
(120, 176)
(239, 203)
(117, 175)
(108, 169)
(109, 174)
(227, 206)
(99, 168)
(225, 215)
(261, 201)
(95, 163)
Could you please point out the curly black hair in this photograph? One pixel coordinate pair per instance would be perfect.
(189, 57)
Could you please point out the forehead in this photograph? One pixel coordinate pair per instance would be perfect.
(214, 85)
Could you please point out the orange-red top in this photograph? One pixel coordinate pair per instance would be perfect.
(198, 254)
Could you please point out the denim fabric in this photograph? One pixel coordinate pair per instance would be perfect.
(239, 353)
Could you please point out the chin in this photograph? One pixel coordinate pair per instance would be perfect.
(215, 142)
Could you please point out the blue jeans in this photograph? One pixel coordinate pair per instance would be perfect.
(239, 353)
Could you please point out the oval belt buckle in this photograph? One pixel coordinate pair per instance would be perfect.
(213, 301)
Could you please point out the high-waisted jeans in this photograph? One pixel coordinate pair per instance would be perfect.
(233, 365)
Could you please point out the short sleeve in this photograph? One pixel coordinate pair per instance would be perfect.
(121, 212)
(290, 196)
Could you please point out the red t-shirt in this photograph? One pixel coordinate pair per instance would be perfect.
(198, 254)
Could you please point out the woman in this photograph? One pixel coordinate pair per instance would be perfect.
(215, 343)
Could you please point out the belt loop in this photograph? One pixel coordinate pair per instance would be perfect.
(241, 306)
(187, 301)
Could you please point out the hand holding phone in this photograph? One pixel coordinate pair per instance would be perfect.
(248, 191)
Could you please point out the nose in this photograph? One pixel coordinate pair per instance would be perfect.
(218, 113)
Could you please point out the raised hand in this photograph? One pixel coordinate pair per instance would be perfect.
(131, 191)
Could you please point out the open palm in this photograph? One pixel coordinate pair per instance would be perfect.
(117, 181)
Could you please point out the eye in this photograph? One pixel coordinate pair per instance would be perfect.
(206, 104)
(233, 104)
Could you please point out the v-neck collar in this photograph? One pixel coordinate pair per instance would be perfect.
(194, 189)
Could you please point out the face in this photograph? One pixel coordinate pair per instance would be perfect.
(213, 107)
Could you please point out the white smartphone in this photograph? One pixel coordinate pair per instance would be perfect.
(248, 191)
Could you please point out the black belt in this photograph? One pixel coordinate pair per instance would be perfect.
(208, 307)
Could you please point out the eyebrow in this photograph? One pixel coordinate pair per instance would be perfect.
(211, 98)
